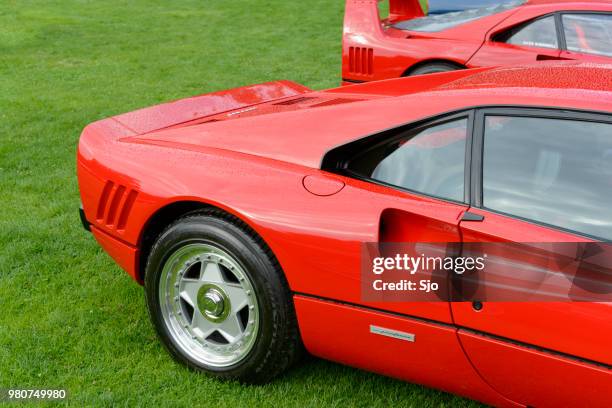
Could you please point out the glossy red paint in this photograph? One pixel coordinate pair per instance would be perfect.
(374, 50)
(562, 382)
(256, 152)
(322, 186)
(125, 255)
(441, 363)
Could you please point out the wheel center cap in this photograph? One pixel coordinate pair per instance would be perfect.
(211, 302)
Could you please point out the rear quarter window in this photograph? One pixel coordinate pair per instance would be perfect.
(540, 33)
(429, 161)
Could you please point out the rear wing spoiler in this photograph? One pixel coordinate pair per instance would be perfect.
(361, 17)
(400, 10)
(189, 109)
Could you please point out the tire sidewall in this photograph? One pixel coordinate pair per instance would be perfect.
(256, 264)
(434, 69)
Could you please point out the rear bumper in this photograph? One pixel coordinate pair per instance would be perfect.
(348, 81)
(84, 222)
(125, 255)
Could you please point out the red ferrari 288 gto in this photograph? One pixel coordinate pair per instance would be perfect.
(244, 214)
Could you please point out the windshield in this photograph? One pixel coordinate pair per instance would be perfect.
(439, 22)
(447, 6)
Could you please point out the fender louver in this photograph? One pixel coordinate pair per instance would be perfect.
(361, 61)
(295, 101)
(115, 204)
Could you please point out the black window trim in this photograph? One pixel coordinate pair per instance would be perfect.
(560, 34)
(478, 151)
(337, 160)
(561, 28)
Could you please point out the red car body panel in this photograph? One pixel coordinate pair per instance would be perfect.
(561, 382)
(256, 152)
(374, 50)
(441, 362)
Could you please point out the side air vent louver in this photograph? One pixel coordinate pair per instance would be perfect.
(115, 204)
(361, 61)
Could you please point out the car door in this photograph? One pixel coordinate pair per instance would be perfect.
(522, 43)
(541, 177)
(403, 185)
(406, 186)
(587, 36)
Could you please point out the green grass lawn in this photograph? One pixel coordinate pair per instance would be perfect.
(69, 317)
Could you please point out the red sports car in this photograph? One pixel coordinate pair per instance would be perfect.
(511, 32)
(244, 214)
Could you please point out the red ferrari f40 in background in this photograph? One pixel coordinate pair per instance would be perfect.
(243, 213)
(509, 32)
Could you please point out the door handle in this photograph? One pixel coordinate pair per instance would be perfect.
(471, 217)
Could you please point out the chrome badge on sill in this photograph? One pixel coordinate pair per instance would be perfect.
(392, 333)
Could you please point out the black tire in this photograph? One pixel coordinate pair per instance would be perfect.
(434, 68)
(277, 344)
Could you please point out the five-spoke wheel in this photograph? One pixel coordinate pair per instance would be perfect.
(219, 300)
(209, 304)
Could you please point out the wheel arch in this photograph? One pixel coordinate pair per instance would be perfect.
(172, 211)
(420, 64)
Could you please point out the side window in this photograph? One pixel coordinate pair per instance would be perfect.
(429, 161)
(540, 33)
(554, 171)
(588, 33)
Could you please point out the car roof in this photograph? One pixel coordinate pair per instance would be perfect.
(304, 136)
(476, 28)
